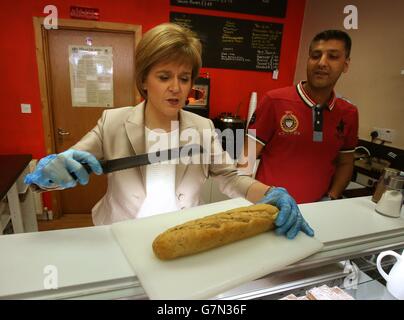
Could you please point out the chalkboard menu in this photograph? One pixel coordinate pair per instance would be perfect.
(269, 8)
(235, 43)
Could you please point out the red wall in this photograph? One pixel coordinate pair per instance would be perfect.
(23, 133)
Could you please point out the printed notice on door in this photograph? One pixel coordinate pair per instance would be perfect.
(91, 76)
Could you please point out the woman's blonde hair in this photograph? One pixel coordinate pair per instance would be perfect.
(164, 43)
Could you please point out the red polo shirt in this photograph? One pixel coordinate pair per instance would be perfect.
(301, 142)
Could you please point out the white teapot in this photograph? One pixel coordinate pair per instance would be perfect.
(395, 279)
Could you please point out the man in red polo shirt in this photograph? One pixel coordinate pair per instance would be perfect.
(305, 134)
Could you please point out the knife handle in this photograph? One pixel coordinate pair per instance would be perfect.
(102, 163)
(88, 168)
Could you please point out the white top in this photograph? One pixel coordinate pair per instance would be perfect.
(160, 177)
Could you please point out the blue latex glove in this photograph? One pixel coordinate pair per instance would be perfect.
(54, 171)
(289, 221)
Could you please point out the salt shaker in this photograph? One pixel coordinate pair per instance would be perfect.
(383, 182)
(391, 200)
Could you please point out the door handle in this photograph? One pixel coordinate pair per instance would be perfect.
(62, 132)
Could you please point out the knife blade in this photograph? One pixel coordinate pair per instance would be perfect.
(112, 165)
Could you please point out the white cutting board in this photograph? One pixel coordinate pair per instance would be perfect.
(206, 274)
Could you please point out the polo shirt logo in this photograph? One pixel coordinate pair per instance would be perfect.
(340, 129)
(341, 126)
(289, 122)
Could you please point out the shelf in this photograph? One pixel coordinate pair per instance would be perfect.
(11, 168)
(3, 206)
(4, 216)
(21, 186)
(4, 220)
(23, 189)
(27, 204)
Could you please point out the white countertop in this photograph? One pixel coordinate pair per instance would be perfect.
(90, 260)
(83, 257)
(353, 219)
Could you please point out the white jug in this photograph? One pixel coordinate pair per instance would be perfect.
(395, 279)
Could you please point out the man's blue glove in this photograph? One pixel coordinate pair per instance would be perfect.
(55, 171)
(289, 221)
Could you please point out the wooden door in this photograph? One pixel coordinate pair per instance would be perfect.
(69, 123)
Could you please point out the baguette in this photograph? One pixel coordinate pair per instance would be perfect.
(214, 230)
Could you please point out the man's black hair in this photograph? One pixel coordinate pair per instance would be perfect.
(334, 35)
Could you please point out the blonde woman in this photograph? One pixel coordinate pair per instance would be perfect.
(167, 62)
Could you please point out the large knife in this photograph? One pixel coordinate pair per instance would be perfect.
(109, 166)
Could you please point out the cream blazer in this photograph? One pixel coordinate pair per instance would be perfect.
(120, 132)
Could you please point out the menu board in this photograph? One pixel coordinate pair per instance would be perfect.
(234, 43)
(269, 8)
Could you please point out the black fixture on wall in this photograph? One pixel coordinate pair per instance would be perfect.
(380, 151)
